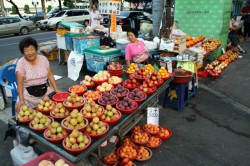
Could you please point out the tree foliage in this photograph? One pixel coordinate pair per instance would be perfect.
(26, 9)
(13, 10)
(16, 10)
(49, 8)
(69, 3)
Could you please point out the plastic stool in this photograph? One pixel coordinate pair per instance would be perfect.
(182, 96)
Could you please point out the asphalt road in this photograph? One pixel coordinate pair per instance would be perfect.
(9, 44)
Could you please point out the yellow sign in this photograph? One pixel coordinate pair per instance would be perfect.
(113, 23)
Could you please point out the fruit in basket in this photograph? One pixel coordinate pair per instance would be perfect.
(110, 114)
(128, 152)
(60, 111)
(163, 73)
(92, 95)
(119, 91)
(46, 104)
(143, 153)
(96, 127)
(26, 113)
(131, 82)
(151, 128)
(112, 158)
(107, 98)
(75, 120)
(140, 137)
(91, 109)
(163, 132)
(74, 100)
(78, 88)
(40, 121)
(76, 140)
(104, 87)
(55, 131)
(154, 142)
(114, 67)
(101, 76)
(137, 129)
(149, 69)
(127, 141)
(147, 86)
(87, 81)
(132, 68)
(114, 80)
(153, 80)
(136, 94)
(141, 73)
(45, 163)
(127, 104)
(61, 162)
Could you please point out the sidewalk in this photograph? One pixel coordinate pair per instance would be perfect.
(213, 130)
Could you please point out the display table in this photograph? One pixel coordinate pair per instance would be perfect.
(126, 123)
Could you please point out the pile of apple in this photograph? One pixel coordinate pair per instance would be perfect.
(163, 73)
(110, 114)
(60, 111)
(76, 140)
(149, 69)
(87, 81)
(154, 79)
(55, 131)
(101, 76)
(114, 80)
(74, 100)
(75, 120)
(131, 83)
(96, 127)
(40, 121)
(104, 87)
(141, 73)
(107, 98)
(26, 114)
(91, 109)
(46, 104)
(136, 94)
(132, 68)
(119, 91)
(126, 104)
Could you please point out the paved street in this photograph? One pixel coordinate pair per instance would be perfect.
(214, 128)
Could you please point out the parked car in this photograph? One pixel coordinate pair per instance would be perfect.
(15, 25)
(129, 19)
(74, 15)
(54, 11)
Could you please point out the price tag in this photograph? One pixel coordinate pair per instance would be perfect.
(153, 115)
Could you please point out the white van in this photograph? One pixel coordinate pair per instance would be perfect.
(74, 15)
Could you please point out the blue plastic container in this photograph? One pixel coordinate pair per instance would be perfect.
(81, 43)
(69, 39)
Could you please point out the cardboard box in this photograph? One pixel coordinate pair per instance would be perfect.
(53, 55)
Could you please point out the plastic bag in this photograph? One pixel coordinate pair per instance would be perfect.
(75, 62)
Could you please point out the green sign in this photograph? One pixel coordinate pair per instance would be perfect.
(208, 17)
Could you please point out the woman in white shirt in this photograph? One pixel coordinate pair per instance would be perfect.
(95, 18)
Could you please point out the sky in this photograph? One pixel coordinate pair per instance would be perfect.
(21, 3)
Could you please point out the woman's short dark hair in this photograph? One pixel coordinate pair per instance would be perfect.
(26, 42)
(134, 31)
(93, 5)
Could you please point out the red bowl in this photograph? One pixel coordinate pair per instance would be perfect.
(46, 112)
(60, 97)
(130, 88)
(140, 143)
(79, 93)
(126, 111)
(168, 136)
(150, 93)
(70, 108)
(56, 117)
(150, 155)
(114, 85)
(112, 104)
(154, 147)
(99, 82)
(112, 92)
(141, 100)
(159, 83)
(95, 99)
(120, 163)
(91, 117)
(77, 150)
(151, 133)
(57, 140)
(119, 149)
(111, 163)
(111, 122)
(115, 71)
(88, 86)
(25, 121)
(86, 122)
(102, 134)
(42, 129)
(140, 79)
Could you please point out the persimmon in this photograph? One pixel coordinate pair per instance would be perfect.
(150, 128)
(127, 151)
(143, 153)
(154, 141)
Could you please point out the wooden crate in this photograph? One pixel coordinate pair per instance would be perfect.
(53, 55)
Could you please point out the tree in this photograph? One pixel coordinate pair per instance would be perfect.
(26, 9)
(135, 2)
(16, 8)
(43, 7)
(49, 8)
(69, 4)
(13, 10)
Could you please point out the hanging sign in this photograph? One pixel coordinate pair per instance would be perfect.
(113, 23)
(153, 115)
(110, 7)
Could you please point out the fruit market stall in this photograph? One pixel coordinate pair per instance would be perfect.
(113, 106)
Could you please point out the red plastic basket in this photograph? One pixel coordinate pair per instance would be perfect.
(51, 156)
(60, 97)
